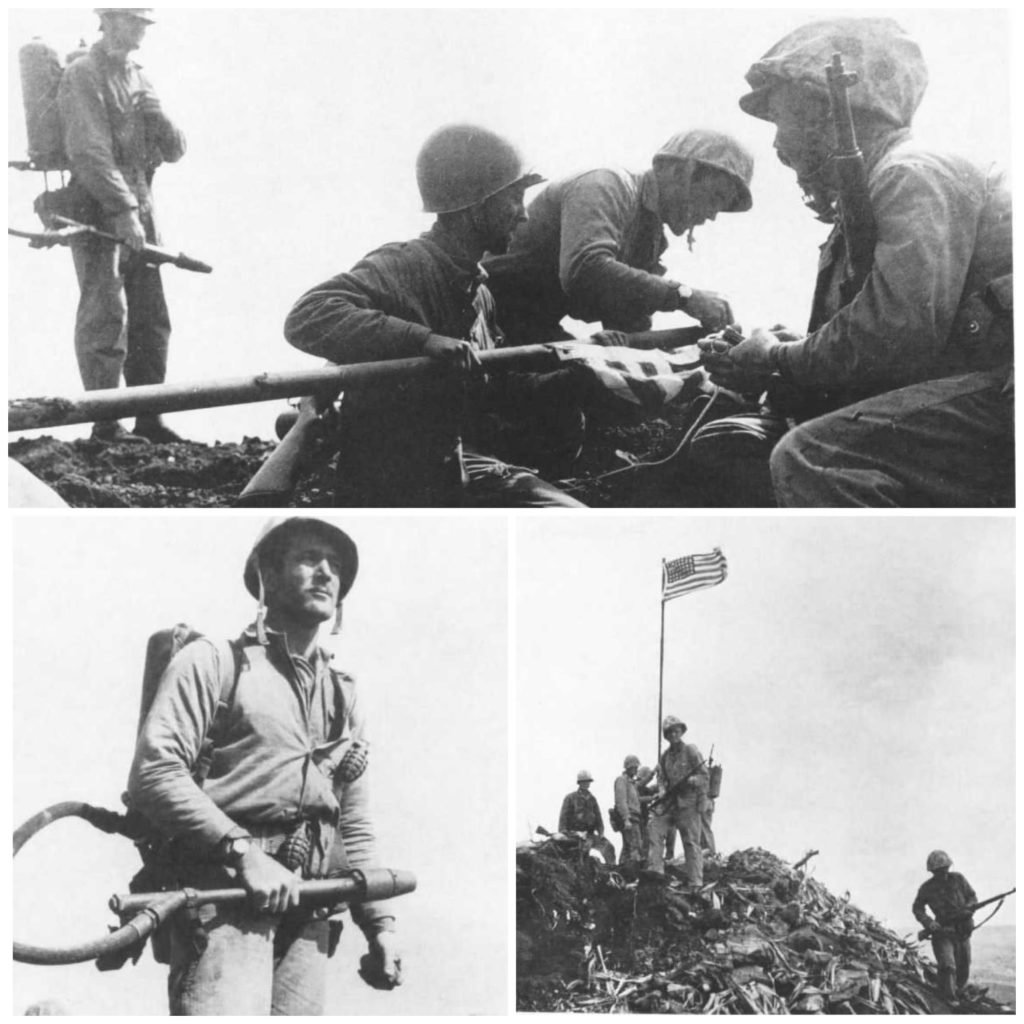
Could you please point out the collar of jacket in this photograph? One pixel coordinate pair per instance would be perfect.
(649, 192)
(276, 639)
(882, 144)
(114, 60)
(466, 271)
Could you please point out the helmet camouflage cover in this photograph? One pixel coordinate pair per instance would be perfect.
(718, 151)
(892, 75)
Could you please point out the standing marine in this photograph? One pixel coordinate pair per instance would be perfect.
(116, 134)
(682, 786)
(284, 796)
(949, 897)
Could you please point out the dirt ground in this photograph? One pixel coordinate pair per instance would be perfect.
(621, 466)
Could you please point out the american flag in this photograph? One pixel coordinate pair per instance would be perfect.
(694, 572)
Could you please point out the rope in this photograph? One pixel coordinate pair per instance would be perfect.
(577, 483)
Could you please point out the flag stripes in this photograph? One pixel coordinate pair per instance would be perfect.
(693, 572)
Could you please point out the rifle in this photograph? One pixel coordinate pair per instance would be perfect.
(675, 788)
(858, 218)
(962, 914)
(277, 478)
(70, 230)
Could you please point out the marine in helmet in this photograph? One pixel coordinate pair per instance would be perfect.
(284, 800)
(627, 806)
(902, 389)
(591, 247)
(947, 894)
(116, 134)
(415, 445)
(682, 786)
(580, 811)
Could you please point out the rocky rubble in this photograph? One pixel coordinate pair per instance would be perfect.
(622, 465)
(758, 937)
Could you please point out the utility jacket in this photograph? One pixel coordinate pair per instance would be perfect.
(676, 765)
(286, 718)
(580, 813)
(627, 799)
(590, 248)
(113, 148)
(945, 896)
(407, 435)
(943, 236)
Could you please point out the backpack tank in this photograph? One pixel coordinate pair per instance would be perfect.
(41, 71)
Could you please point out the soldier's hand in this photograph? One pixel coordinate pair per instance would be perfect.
(458, 354)
(148, 104)
(384, 969)
(746, 367)
(274, 889)
(129, 229)
(783, 333)
(610, 339)
(711, 309)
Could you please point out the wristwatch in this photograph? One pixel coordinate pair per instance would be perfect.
(685, 294)
(236, 848)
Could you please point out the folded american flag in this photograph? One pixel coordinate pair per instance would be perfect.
(694, 572)
(648, 380)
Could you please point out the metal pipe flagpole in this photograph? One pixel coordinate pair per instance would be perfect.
(678, 577)
(661, 666)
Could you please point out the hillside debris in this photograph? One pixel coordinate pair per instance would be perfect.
(757, 937)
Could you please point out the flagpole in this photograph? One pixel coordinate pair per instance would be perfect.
(661, 664)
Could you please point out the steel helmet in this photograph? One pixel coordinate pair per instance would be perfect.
(718, 151)
(671, 722)
(645, 774)
(584, 776)
(461, 165)
(892, 75)
(142, 13)
(632, 761)
(278, 529)
(937, 860)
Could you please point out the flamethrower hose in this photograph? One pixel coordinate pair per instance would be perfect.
(142, 925)
(152, 909)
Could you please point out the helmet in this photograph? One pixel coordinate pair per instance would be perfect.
(142, 13)
(632, 761)
(461, 165)
(671, 722)
(892, 75)
(584, 776)
(718, 151)
(645, 774)
(278, 529)
(938, 859)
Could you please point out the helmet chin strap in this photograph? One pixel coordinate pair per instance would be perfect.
(261, 610)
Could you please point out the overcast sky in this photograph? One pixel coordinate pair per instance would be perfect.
(424, 635)
(856, 677)
(304, 127)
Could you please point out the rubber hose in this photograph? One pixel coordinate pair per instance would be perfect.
(128, 935)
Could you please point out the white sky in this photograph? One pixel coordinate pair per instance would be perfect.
(424, 635)
(304, 127)
(855, 676)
